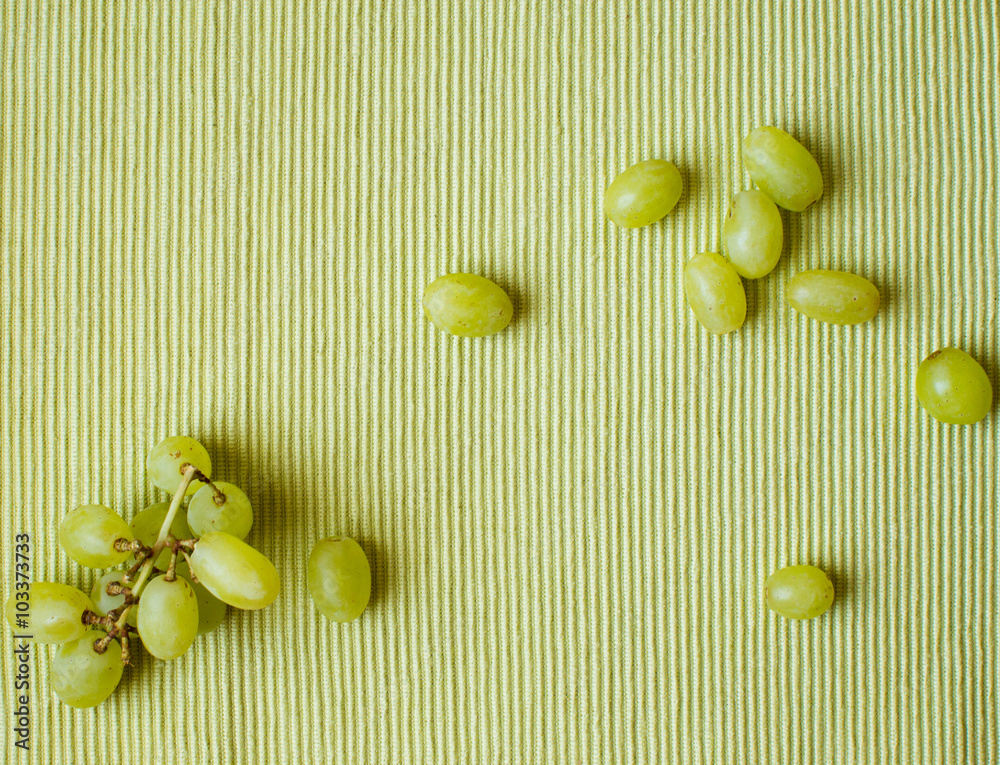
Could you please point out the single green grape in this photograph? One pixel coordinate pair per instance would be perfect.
(715, 293)
(103, 602)
(643, 194)
(782, 168)
(211, 610)
(798, 592)
(836, 297)
(752, 234)
(50, 612)
(166, 461)
(467, 305)
(234, 572)
(234, 515)
(83, 678)
(88, 535)
(339, 578)
(147, 524)
(953, 387)
(168, 617)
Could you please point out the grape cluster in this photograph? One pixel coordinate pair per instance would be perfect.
(183, 566)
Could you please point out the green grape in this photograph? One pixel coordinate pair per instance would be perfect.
(234, 572)
(83, 678)
(467, 305)
(147, 524)
(643, 194)
(51, 612)
(211, 610)
(783, 168)
(168, 617)
(751, 234)
(234, 516)
(953, 387)
(798, 592)
(715, 293)
(89, 533)
(836, 297)
(339, 578)
(166, 461)
(103, 602)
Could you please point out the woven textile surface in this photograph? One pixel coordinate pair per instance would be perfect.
(217, 220)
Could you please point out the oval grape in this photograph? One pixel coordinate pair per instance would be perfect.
(234, 515)
(782, 168)
(88, 535)
(234, 572)
(953, 387)
(166, 461)
(339, 578)
(51, 613)
(168, 617)
(83, 678)
(643, 193)
(752, 234)
(836, 297)
(467, 305)
(715, 293)
(798, 592)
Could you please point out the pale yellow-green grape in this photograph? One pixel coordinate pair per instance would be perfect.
(51, 612)
(88, 535)
(103, 602)
(234, 572)
(783, 168)
(798, 592)
(83, 678)
(146, 527)
(836, 297)
(168, 617)
(752, 234)
(234, 515)
(953, 387)
(467, 305)
(166, 461)
(339, 578)
(643, 194)
(211, 610)
(715, 293)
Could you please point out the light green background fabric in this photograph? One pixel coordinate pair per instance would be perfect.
(217, 220)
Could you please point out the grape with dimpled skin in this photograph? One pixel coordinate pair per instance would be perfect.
(83, 677)
(165, 462)
(234, 572)
(55, 613)
(234, 515)
(168, 617)
(95, 536)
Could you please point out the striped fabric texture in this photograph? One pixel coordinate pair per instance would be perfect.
(217, 219)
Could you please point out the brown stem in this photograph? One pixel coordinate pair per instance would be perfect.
(171, 574)
(218, 497)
